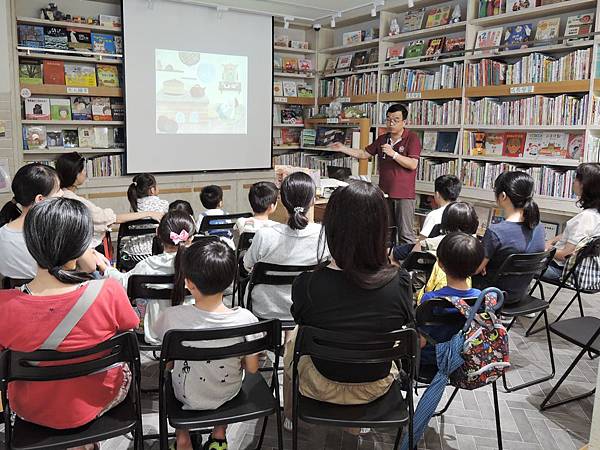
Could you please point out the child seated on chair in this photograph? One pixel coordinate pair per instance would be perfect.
(175, 232)
(263, 200)
(207, 268)
(459, 256)
(211, 198)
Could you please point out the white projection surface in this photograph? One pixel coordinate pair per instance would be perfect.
(198, 86)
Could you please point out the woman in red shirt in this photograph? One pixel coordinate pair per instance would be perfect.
(57, 232)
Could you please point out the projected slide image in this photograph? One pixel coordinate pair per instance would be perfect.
(200, 93)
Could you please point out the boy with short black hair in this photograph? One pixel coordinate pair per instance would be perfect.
(459, 256)
(211, 197)
(207, 267)
(447, 190)
(263, 201)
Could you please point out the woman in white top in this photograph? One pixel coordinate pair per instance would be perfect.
(583, 225)
(293, 244)
(31, 184)
(72, 174)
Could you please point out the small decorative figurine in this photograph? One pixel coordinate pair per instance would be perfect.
(455, 14)
(394, 27)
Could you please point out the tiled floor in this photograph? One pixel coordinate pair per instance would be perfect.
(469, 423)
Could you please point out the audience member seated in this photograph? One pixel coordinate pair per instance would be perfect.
(585, 224)
(291, 244)
(57, 232)
(211, 198)
(182, 205)
(175, 232)
(447, 190)
(208, 267)
(358, 291)
(72, 174)
(31, 184)
(459, 256)
(519, 232)
(263, 200)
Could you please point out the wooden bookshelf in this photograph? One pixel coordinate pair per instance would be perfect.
(525, 161)
(309, 101)
(427, 32)
(62, 150)
(293, 75)
(523, 127)
(287, 147)
(72, 57)
(58, 89)
(301, 51)
(349, 72)
(350, 99)
(63, 24)
(433, 94)
(549, 48)
(596, 84)
(350, 48)
(412, 63)
(439, 155)
(511, 90)
(73, 122)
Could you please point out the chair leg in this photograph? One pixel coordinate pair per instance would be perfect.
(530, 330)
(497, 414)
(568, 306)
(398, 436)
(262, 433)
(445, 408)
(546, 403)
(545, 377)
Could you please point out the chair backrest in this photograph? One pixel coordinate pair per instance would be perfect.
(434, 312)
(11, 283)
(144, 286)
(24, 365)
(422, 261)
(245, 241)
(210, 223)
(435, 231)
(139, 227)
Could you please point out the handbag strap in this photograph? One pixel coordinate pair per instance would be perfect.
(66, 325)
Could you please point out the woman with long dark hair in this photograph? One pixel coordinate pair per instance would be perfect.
(519, 232)
(358, 291)
(57, 232)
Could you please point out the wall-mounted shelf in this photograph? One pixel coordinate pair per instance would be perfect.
(511, 90)
(62, 24)
(302, 51)
(58, 89)
(73, 122)
(433, 94)
(350, 48)
(442, 30)
(72, 57)
(350, 99)
(62, 150)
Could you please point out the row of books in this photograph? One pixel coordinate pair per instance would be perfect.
(519, 36)
(75, 39)
(362, 84)
(358, 36)
(98, 166)
(292, 65)
(436, 16)
(435, 48)
(412, 80)
(439, 141)
(494, 7)
(357, 110)
(68, 74)
(292, 89)
(284, 41)
(286, 136)
(289, 115)
(316, 162)
(548, 181)
(75, 108)
(350, 61)
(427, 112)
(595, 110)
(537, 110)
(40, 137)
(430, 169)
(592, 151)
(531, 145)
(533, 68)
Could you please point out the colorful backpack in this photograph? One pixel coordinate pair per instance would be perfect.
(485, 349)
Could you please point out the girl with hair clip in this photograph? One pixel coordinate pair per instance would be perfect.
(31, 184)
(291, 244)
(175, 232)
(519, 232)
(57, 232)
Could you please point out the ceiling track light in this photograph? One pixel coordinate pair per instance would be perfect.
(286, 21)
(411, 3)
(339, 14)
(375, 5)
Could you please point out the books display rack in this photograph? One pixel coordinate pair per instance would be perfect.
(477, 76)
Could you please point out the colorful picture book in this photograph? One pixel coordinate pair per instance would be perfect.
(103, 43)
(79, 40)
(30, 36)
(344, 62)
(37, 108)
(488, 38)
(277, 88)
(101, 108)
(454, 45)
(547, 29)
(435, 47)
(82, 75)
(30, 73)
(34, 137)
(86, 137)
(514, 144)
(290, 65)
(413, 20)
(292, 115)
(108, 75)
(518, 5)
(54, 72)
(494, 144)
(60, 109)
(56, 38)
(305, 90)
(81, 108)
(305, 65)
(446, 142)
(71, 138)
(415, 49)
(352, 37)
(330, 65)
(54, 138)
(517, 36)
(579, 25)
(437, 17)
(395, 52)
(289, 89)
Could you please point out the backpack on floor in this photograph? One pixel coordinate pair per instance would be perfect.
(485, 350)
(586, 260)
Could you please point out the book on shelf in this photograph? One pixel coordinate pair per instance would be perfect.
(427, 112)
(101, 108)
(299, 45)
(494, 144)
(103, 43)
(344, 62)
(437, 16)
(430, 169)
(86, 137)
(330, 66)
(54, 72)
(60, 109)
(491, 7)
(371, 34)
(547, 29)
(107, 75)
(79, 40)
(395, 52)
(81, 108)
(71, 138)
(305, 65)
(56, 38)
(579, 25)
(308, 137)
(517, 36)
(514, 144)
(305, 90)
(483, 217)
(101, 137)
(30, 72)
(328, 135)
(118, 109)
(415, 48)
(107, 20)
(488, 38)
(119, 137)
(105, 166)
(575, 146)
(352, 37)
(475, 142)
(82, 75)
(37, 108)
(292, 115)
(281, 40)
(119, 44)
(290, 65)
(30, 36)
(446, 142)
(34, 137)
(373, 56)
(289, 89)
(356, 84)
(518, 5)
(429, 141)
(453, 45)
(359, 59)
(277, 63)
(290, 136)
(413, 20)
(54, 138)
(277, 88)
(435, 47)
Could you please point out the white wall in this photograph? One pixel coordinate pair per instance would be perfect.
(7, 143)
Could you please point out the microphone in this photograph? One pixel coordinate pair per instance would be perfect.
(388, 140)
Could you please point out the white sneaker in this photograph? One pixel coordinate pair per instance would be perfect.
(288, 425)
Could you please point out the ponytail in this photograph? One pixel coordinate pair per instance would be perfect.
(140, 188)
(298, 220)
(69, 276)
(531, 213)
(178, 292)
(9, 212)
(132, 197)
(518, 187)
(297, 195)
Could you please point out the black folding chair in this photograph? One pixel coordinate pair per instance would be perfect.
(391, 409)
(122, 419)
(255, 398)
(419, 262)
(134, 228)
(525, 266)
(584, 332)
(564, 283)
(434, 313)
(275, 275)
(243, 245)
(211, 223)
(11, 283)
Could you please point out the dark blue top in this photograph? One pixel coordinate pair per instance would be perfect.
(440, 333)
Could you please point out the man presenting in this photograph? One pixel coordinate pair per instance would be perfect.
(398, 151)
